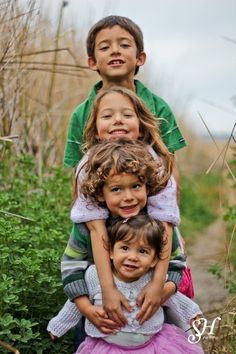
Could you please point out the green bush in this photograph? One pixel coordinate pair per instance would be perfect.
(198, 204)
(30, 286)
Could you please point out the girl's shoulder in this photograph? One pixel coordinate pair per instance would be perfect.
(153, 153)
(81, 164)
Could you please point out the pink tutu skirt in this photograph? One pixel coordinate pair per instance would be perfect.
(170, 340)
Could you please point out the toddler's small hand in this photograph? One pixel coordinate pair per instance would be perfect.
(52, 337)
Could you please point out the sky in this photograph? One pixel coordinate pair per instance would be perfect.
(191, 52)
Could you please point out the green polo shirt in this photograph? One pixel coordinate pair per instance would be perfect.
(170, 132)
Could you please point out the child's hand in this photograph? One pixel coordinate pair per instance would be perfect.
(100, 319)
(52, 337)
(112, 301)
(150, 300)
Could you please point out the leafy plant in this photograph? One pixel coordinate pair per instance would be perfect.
(30, 286)
(199, 197)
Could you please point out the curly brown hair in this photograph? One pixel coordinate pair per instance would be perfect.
(120, 156)
(148, 127)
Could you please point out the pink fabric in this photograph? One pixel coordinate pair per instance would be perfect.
(170, 340)
(186, 283)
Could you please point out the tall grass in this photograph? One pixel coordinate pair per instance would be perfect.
(43, 76)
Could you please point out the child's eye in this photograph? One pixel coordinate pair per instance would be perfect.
(128, 115)
(143, 251)
(124, 248)
(115, 189)
(106, 116)
(137, 186)
(103, 48)
(125, 45)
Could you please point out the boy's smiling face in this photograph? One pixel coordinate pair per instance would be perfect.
(116, 55)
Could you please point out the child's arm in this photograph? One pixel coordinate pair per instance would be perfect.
(164, 207)
(150, 297)
(67, 318)
(182, 310)
(73, 266)
(112, 298)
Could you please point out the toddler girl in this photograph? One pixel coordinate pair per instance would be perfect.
(135, 247)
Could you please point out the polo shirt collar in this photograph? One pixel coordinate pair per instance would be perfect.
(142, 92)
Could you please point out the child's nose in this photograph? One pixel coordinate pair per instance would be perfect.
(128, 195)
(115, 48)
(118, 118)
(133, 255)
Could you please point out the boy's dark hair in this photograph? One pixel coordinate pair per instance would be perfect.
(109, 22)
(136, 227)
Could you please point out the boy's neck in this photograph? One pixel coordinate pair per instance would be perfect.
(129, 84)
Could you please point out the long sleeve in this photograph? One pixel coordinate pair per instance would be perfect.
(181, 310)
(67, 318)
(75, 260)
(163, 206)
(177, 262)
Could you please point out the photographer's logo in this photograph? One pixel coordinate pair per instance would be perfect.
(203, 324)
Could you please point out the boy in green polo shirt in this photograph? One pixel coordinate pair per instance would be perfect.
(115, 50)
(117, 61)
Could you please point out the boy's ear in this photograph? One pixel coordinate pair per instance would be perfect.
(141, 59)
(92, 64)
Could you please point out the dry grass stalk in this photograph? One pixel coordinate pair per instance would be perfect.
(9, 347)
(16, 215)
(38, 94)
(223, 151)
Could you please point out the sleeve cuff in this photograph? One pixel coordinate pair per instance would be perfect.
(75, 289)
(175, 277)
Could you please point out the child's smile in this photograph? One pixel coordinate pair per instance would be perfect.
(124, 194)
(132, 258)
(117, 118)
(116, 54)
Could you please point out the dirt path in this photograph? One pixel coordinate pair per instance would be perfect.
(208, 250)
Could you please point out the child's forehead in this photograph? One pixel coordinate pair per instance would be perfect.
(108, 99)
(116, 176)
(135, 239)
(116, 31)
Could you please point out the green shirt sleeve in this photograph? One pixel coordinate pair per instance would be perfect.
(170, 132)
(73, 148)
